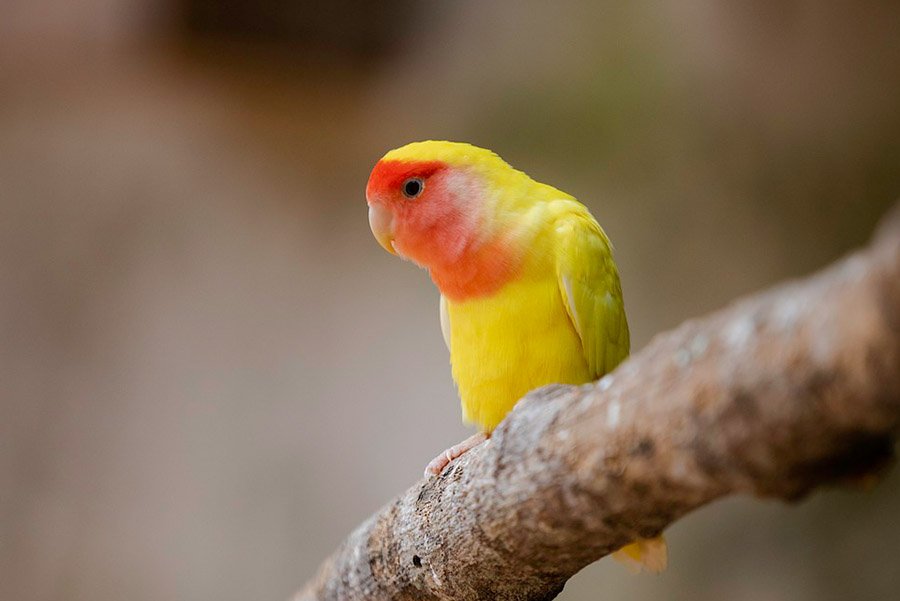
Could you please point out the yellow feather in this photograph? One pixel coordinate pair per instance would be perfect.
(512, 342)
(561, 321)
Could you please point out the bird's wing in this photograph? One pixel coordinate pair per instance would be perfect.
(445, 322)
(589, 284)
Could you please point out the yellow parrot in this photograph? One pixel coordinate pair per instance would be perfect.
(530, 293)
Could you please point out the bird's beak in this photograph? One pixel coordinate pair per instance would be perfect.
(381, 222)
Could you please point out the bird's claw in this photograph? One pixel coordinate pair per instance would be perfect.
(437, 465)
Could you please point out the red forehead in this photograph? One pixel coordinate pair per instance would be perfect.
(390, 174)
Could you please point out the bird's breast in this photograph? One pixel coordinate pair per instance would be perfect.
(506, 344)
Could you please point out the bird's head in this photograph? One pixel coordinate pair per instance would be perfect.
(430, 202)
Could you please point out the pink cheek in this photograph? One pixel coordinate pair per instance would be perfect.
(430, 234)
(452, 237)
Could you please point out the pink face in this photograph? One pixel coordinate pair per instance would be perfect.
(425, 211)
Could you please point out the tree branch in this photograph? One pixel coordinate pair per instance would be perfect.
(772, 396)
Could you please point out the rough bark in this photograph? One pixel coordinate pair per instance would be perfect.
(772, 396)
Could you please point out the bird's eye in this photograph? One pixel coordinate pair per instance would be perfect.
(413, 187)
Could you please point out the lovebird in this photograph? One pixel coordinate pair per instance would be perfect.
(529, 290)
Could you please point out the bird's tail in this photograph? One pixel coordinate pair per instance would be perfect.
(648, 554)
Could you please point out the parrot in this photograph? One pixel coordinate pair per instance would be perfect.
(529, 289)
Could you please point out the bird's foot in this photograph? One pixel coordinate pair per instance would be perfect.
(440, 462)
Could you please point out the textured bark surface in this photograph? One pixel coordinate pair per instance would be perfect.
(772, 396)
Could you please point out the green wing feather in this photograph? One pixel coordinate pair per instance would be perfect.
(589, 284)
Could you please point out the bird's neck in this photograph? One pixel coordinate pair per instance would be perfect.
(480, 271)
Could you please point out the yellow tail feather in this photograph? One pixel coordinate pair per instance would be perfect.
(648, 554)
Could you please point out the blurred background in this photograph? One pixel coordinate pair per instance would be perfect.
(210, 372)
